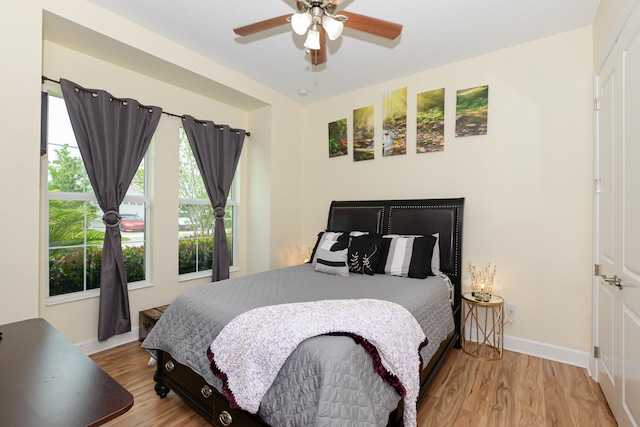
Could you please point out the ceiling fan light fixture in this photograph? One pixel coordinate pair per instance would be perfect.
(318, 20)
(313, 40)
(300, 22)
(332, 26)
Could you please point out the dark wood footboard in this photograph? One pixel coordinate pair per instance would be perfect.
(214, 407)
(202, 397)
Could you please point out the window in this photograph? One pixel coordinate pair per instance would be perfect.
(196, 220)
(76, 233)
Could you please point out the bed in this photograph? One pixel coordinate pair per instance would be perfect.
(327, 379)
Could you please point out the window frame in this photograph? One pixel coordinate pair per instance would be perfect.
(231, 203)
(49, 196)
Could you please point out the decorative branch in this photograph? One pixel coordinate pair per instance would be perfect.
(482, 281)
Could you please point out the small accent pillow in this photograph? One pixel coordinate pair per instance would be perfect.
(364, 253)
(331, 258)
(335, 236)
(409, 257)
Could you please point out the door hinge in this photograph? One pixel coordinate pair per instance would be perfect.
(596, 104)
(596, 352)
(596, 269)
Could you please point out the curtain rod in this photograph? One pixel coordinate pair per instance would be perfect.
(45, 78)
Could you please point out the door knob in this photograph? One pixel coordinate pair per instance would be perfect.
(613, 281)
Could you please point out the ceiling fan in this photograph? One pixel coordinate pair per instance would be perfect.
(318, 20)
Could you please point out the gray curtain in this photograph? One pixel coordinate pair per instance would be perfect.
(216, 149)
(113, 135)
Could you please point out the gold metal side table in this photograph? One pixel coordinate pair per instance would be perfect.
(482, 333)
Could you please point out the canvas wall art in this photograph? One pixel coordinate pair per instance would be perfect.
(394, 123)
(472, 111)
(363, 134)
(338, 138)
(430, 121)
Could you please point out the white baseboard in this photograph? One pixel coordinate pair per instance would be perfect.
(94, 346)
(543, 350)
(557, 353)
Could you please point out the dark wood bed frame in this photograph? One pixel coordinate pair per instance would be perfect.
(420, 216)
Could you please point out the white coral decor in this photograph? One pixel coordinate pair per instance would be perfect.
(482, 280)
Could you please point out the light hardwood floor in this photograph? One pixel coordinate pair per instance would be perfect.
(519, 390)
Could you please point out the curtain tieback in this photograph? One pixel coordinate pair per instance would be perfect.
(109, 224)
(219, 212)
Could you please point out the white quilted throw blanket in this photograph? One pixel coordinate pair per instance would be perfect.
(249, 352)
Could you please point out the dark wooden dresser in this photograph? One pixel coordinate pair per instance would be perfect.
(48, 381)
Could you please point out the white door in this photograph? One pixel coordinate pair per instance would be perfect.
(617, 293)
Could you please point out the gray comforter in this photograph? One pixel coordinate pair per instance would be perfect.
(328, 380)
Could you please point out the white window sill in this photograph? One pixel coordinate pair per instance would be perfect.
(201, 274)
(93, 293)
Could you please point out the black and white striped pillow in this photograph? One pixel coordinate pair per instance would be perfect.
(409, 256)
(331, 258)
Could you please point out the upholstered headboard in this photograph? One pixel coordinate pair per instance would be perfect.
(419, 216)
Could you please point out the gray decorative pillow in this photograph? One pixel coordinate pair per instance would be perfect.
(331, 258)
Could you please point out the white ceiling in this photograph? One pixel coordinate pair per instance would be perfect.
(435, 32)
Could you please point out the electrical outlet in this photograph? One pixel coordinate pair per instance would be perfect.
(511, 310)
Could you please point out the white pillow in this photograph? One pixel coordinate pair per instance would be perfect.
(331, 258)
(333, 236)
(435, 258)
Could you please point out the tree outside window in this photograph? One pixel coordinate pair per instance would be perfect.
(196, 220)
(75, 232)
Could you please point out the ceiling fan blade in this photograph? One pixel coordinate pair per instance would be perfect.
(319, 57)
(267, 24)
(377, 27)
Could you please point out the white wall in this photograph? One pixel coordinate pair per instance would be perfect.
(527, 183)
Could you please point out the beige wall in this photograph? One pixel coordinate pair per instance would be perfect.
(129, 61)
(527, 183)
(20, 41)
(606, 26)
